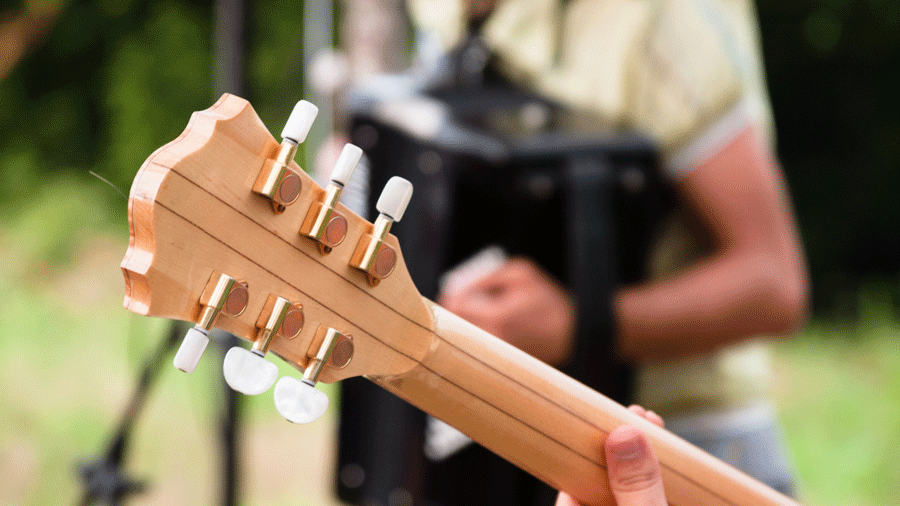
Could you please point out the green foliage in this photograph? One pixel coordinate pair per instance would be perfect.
(154, 77)
(113, 81)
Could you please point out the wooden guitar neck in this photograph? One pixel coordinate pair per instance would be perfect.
(550, 424)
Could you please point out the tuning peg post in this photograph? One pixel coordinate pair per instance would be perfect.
(223, 295)
(372, 256)
(298, 400)
(249, 372)
(323, 224)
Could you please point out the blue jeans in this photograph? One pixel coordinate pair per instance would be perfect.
(748, 438)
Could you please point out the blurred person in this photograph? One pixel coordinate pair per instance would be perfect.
(728, 268)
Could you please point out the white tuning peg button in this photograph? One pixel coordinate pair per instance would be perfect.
(247, 372)
(300, 121)
(299, 401)
(394, 198)
(343, 169)
(191, 349)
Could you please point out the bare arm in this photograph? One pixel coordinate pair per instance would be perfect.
(755, 282)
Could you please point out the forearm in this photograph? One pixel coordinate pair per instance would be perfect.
(731, 296)
(754, 282)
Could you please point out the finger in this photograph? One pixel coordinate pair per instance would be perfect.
(650, 416)
(638, 410)
(656, 419)
(449, 302)
(495, 282)
(634, 475)
(479, 310)
(494, 286)
(564, 499)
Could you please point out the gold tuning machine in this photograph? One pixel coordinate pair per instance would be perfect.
(278, 317)
(249, 372)
(223, 295)
(332, 348)
(323, 224)
(372, 256)
(277, 180)
(298, 400)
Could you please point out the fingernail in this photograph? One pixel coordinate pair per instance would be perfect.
(628, 449)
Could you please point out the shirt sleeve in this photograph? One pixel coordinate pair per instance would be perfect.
(684, 81)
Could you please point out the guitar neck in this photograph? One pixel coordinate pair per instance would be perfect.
(551, 425)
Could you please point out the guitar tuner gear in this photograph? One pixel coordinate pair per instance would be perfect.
(372, 256)
(323, 224)
(277, 180)
(223, 294)
(249, 372)
(298, 400)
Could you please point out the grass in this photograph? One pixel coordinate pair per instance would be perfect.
(69, 355)
(840, 404)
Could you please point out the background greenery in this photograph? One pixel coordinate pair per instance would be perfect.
(109, 81)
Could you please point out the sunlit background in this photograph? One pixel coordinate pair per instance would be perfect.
(96, 86)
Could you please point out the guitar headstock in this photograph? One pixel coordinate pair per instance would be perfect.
(227, 231)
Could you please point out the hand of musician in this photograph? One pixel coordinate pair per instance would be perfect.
(634, 475)
(521, 304)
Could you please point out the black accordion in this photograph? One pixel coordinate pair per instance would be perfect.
(493, 165)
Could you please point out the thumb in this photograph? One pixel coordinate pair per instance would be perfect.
(634, 474)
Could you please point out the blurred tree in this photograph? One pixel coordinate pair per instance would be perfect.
(115, 79)
(105, 87)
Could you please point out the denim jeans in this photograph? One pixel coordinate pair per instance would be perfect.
(748, 438)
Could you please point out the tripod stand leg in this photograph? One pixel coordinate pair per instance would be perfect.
(104, 480)
(229, 425)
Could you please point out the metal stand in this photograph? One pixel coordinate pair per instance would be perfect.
(230, 76)
(104, 480)
(230, 430)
